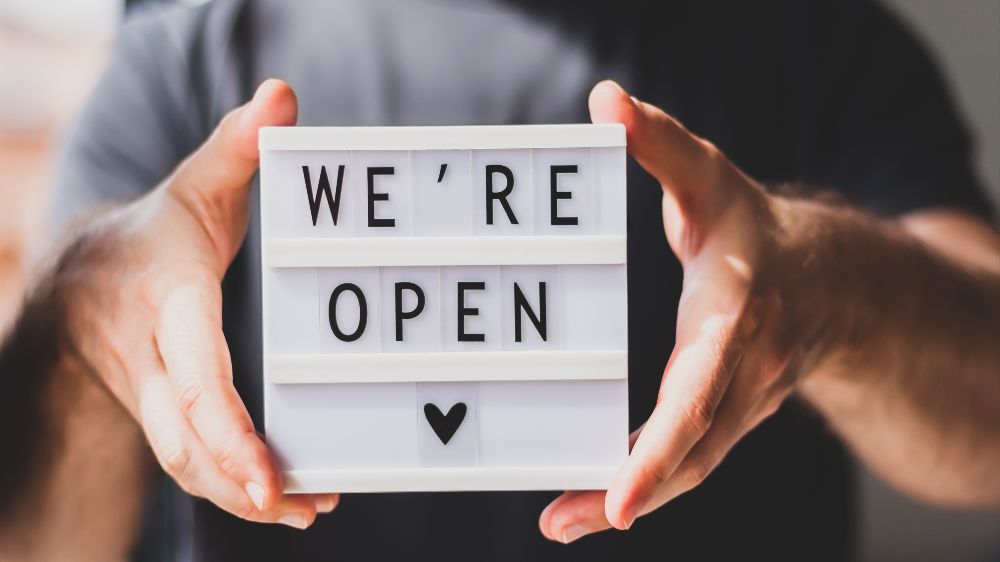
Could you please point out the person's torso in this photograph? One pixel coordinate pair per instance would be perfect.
(783, 492)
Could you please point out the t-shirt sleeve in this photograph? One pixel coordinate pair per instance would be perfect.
(135, 127)
(896, 141)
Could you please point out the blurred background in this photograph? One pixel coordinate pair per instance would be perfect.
(51, 52)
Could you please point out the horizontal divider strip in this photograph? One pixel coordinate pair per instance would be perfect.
(463, 137)
(453, 366)
(451, 479)
(444, 251)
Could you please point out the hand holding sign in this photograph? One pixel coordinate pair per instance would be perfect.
(149, 320)
(734, 361)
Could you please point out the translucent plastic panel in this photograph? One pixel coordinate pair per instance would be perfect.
(609, 175)
(442, 193)
(595, 306)
(329, 426)
(292, 319)
(553, 423)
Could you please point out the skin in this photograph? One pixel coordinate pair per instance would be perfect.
(906, 377)
(140, 293)
(787, 296)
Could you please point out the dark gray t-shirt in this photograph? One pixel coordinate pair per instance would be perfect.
(827, 92)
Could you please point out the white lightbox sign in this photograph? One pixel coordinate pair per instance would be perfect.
(444, 308)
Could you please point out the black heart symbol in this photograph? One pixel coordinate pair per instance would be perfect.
(445, 425)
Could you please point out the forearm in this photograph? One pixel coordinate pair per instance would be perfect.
(904, 362)
(72, 484)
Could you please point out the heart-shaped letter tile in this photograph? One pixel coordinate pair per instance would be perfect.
(445, 425)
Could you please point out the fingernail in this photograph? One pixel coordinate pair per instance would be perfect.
(265, 85)
(325, 504)
(635, 100)
(293, 520)
(615, 85)
(572, 533)
(629, 517)
(256, 493)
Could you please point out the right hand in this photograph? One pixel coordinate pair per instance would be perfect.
(145, 312)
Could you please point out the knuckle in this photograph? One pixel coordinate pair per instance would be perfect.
(151, 287)
(195, 288)
(653, 475)
(229, 452)
(191, 392)
(698, 415)
(696, 472)
(177, 462)
(226, 457)
(246, 510)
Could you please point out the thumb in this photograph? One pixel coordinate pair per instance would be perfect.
(687, 167)
(224, 165)
(213, 181)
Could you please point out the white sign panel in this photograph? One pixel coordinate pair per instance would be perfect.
(444, 308)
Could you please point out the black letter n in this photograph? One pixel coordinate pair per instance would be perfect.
(538, 320)
(323, 188)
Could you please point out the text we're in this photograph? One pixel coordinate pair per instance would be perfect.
(447, 193)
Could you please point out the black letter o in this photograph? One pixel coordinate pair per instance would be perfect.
(362, 305)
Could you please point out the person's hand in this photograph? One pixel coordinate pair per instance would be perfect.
(742, 331)
(145, 313)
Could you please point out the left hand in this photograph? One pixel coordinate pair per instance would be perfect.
(742, 334)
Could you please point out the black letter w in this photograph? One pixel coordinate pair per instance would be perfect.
(323, 188)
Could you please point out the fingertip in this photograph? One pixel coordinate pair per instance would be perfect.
(298, 520)
(267, 478)
(310, 518)
(614, 512)
(325, 503)
(273, 104)
(547, 523)
(545, 519)
(622, 497)
(573, 515)
(626, 484)
(610, 103)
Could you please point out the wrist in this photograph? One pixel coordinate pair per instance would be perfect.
(835, 291)
(78, 283)
(40, 374)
